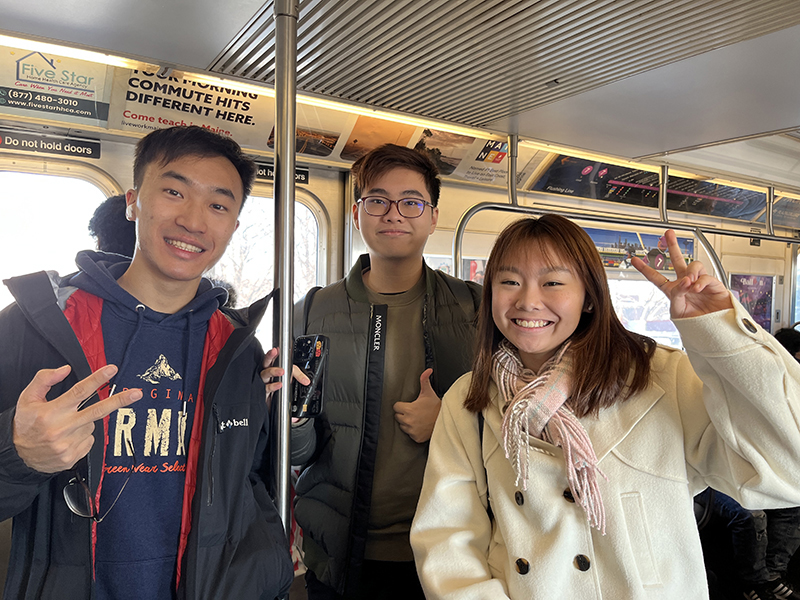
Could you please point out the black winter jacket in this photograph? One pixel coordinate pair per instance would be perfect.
(334, 491)
(236, 547)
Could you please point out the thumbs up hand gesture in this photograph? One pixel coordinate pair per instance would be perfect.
(52, 436)
(418, 417)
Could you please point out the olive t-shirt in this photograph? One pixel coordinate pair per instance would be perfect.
(400, 461)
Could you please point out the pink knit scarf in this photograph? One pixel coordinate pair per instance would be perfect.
(536, 405)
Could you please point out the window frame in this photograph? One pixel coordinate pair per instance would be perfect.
(76, 169)
(308, 199)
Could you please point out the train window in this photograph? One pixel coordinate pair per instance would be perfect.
(43, 223)
(38, 209)
(248, 263)
(643, 309)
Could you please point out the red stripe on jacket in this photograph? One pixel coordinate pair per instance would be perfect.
(83, 311)
(219, 330)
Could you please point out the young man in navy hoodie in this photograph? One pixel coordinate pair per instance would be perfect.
(133, 422)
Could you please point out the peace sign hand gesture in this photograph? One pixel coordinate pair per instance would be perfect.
(51, 436)
(694, 292)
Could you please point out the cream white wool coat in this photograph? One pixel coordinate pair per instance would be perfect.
(728, 420)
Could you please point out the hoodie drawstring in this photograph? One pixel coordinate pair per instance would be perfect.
(140, 308)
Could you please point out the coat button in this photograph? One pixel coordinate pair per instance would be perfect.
(568, 495)
(748, 324)
(519, 498)
(582, 562)
(523, 566)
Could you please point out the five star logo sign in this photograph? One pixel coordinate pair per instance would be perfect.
(160, 371)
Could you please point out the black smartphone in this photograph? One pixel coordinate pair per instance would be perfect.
(311, 355)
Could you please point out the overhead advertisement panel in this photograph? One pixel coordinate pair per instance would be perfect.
(584, 178)
(67, 89)
(446, 149)
(318, 132)
(143, 102)
(617, 247)
(486, 161)
(369, 133)
(37, 84)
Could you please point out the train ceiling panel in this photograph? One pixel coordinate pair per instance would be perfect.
(663, 80)
(478, 62)
(747, 89)
(182, 32)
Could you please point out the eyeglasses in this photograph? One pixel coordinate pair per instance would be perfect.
(79, 497)
(378, 206)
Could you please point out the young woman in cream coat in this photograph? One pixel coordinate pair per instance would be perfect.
(644, 429)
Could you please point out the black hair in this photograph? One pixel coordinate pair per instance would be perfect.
(111, 228)
(233, 297)
(789, 338)
(391, 156)
(167, 145)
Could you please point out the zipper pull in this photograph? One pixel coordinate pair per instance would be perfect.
(220, 425)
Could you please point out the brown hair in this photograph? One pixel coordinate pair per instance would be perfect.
(391, 156)
(603, 351)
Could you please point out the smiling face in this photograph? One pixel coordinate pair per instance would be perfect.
(392, 236)
(537, 303)
(186, 212)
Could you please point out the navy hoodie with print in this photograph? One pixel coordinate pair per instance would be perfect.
(147, 443)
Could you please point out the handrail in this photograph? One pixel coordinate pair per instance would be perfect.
(716, 263)
(700, 232)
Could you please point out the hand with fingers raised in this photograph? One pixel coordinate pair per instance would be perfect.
(51, 436)
(694, 292)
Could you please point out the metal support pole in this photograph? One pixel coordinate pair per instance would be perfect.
(770, 204)
(791, 320)
(286, 12)
(663, 181)
(513, 147)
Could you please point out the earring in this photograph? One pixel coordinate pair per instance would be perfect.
(589, 307)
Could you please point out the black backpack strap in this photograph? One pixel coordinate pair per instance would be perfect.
(460, 289)
(36, 298)
(34, 292)
(303, 307)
